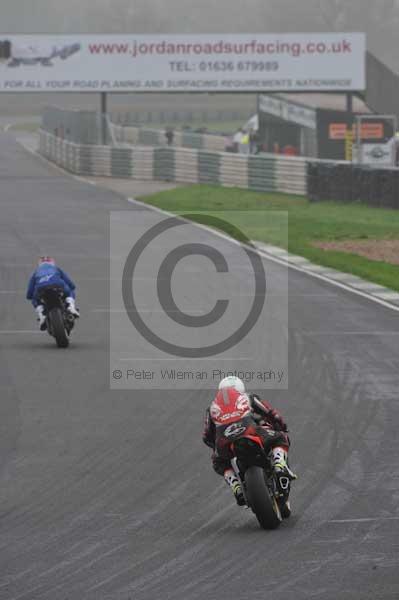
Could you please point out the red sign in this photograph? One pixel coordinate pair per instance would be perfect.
(337, 131)
(369, 131)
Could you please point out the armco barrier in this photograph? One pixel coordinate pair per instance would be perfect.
(261, 173)
(353, 183)
(164, 164)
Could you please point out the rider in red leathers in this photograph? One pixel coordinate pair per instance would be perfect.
(231, 404)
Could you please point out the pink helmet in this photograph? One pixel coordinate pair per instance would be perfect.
(46, 260)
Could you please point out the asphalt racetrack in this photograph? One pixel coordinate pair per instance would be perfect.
(110, 494)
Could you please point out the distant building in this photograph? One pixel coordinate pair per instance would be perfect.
(310, 124)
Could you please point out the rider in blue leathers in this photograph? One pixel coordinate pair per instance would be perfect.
(48, 274)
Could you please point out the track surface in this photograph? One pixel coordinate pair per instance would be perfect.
(90, 509)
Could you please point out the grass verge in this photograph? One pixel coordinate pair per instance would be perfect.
(308, 222)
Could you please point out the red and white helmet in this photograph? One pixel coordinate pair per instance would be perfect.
(232, 382)
(45, 260)
(229, 406)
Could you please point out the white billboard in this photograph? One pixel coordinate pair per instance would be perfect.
(183, 63)
(289, 111)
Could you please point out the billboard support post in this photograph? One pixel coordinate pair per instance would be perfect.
(349, 103)
(104, 111)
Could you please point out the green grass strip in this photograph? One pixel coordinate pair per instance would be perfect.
(308, 222)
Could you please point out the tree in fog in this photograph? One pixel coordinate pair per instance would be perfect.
(378, 19)
(358, 15)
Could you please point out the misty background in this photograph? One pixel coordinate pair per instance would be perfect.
(378, 18)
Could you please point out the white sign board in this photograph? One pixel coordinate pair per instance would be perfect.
(183, 63)
(379, 154)
(288, 111)
(374, 144)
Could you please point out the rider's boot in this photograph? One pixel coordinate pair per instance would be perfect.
(279, 460)
(71, 307)
(284, 476)
(283, 472)
(235, 485)
(41, 317)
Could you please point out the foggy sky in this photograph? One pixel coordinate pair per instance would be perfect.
(378, 18)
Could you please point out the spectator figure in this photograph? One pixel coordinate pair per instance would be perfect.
(237, 140)
(253, 141)
(245, 143)
(396, 148)
(169, 134)
(290, 151)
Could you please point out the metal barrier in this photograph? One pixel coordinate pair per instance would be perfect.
(262, 173)
(79, 126)
(157, 137)
(92, 128)
(320, 180)
(191, 116)
(344, 182)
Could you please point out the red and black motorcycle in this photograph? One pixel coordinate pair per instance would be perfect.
(266, 493)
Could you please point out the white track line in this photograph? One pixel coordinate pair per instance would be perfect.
(13, 331)
(53, 165)
(379, 333)
(175, 359)
(364, 520)
(123, 311)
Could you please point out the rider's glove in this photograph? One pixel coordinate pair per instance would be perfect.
(278, 421)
